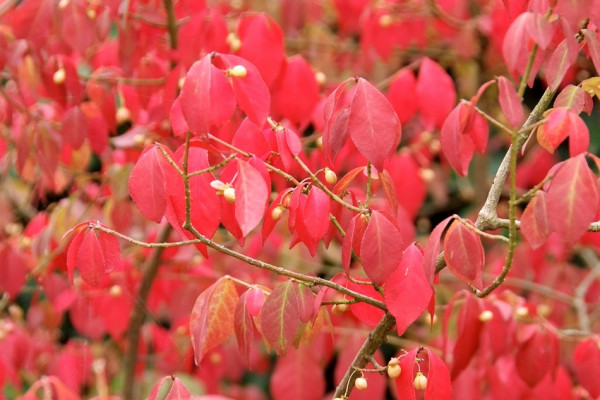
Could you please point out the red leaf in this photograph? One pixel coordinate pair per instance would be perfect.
(354, 235)
(255, 298)
(405, 389)
(407, 291)
(74, 127)
(251, 196)
(456, 145)
(402, 93)
(434, 84)
(467, 335)
(76, 27)
(335, 114)
(518, 43)
(207, 99)
(572, 199)
(257, 33)
(373, 125)
(464, 254)
(381, 247)
(298, 376)
(211, 320)
(316, 213)
(94, 254)
(251, 92)
(297, 91)
(587, 365)
(366, 313)
(534, 221)
(147, 183)
(245, 328)
(280, 317)
(433, 249)
(537, 356)
(439, 386)
(510, 102)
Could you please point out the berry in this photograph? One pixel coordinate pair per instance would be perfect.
(277, 212)
(420, 382)
(59, 76)
(115, 290)
(360, 383)
(234, 42)
(321, 78)
(394, 371)
(385, 20)
(330, 176)
(486, 316)
(229, 195)
(339, 309)
(123, 115)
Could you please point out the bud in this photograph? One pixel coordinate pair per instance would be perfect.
(229, 195)
(420, 382)
(427, 174)
(330, 176)
(521, 312)
(59, 76)
(238, 71)
(180, 82)
(319, 142)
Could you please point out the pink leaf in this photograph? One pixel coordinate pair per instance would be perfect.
(251, 195)
(574, 98)
(559, 62)
(298, 376)
(591, 38)
(587, 365)
(572, 199)
(439, 386)
(402, 93)
(510, 102)
(433, 249)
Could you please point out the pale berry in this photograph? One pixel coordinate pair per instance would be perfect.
(238, 71)
(486, 316)
(277, 212)
(360, 383)
(339, 309)
(229, 194)
(123, 115)
(394, 371)
(330, 176)
(385, 20)
(420, 382)
(59, 76)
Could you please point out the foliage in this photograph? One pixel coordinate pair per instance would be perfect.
(237, 199)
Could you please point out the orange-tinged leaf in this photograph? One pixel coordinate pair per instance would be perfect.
(574, 98)
(211, 321)
(280, 319)
(464, 254)
(572, 199)
(245, 328)
(563, 123)
(534, 221)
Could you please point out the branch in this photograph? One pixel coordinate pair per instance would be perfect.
(375, 339)
(139, 312)
(488, 216)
